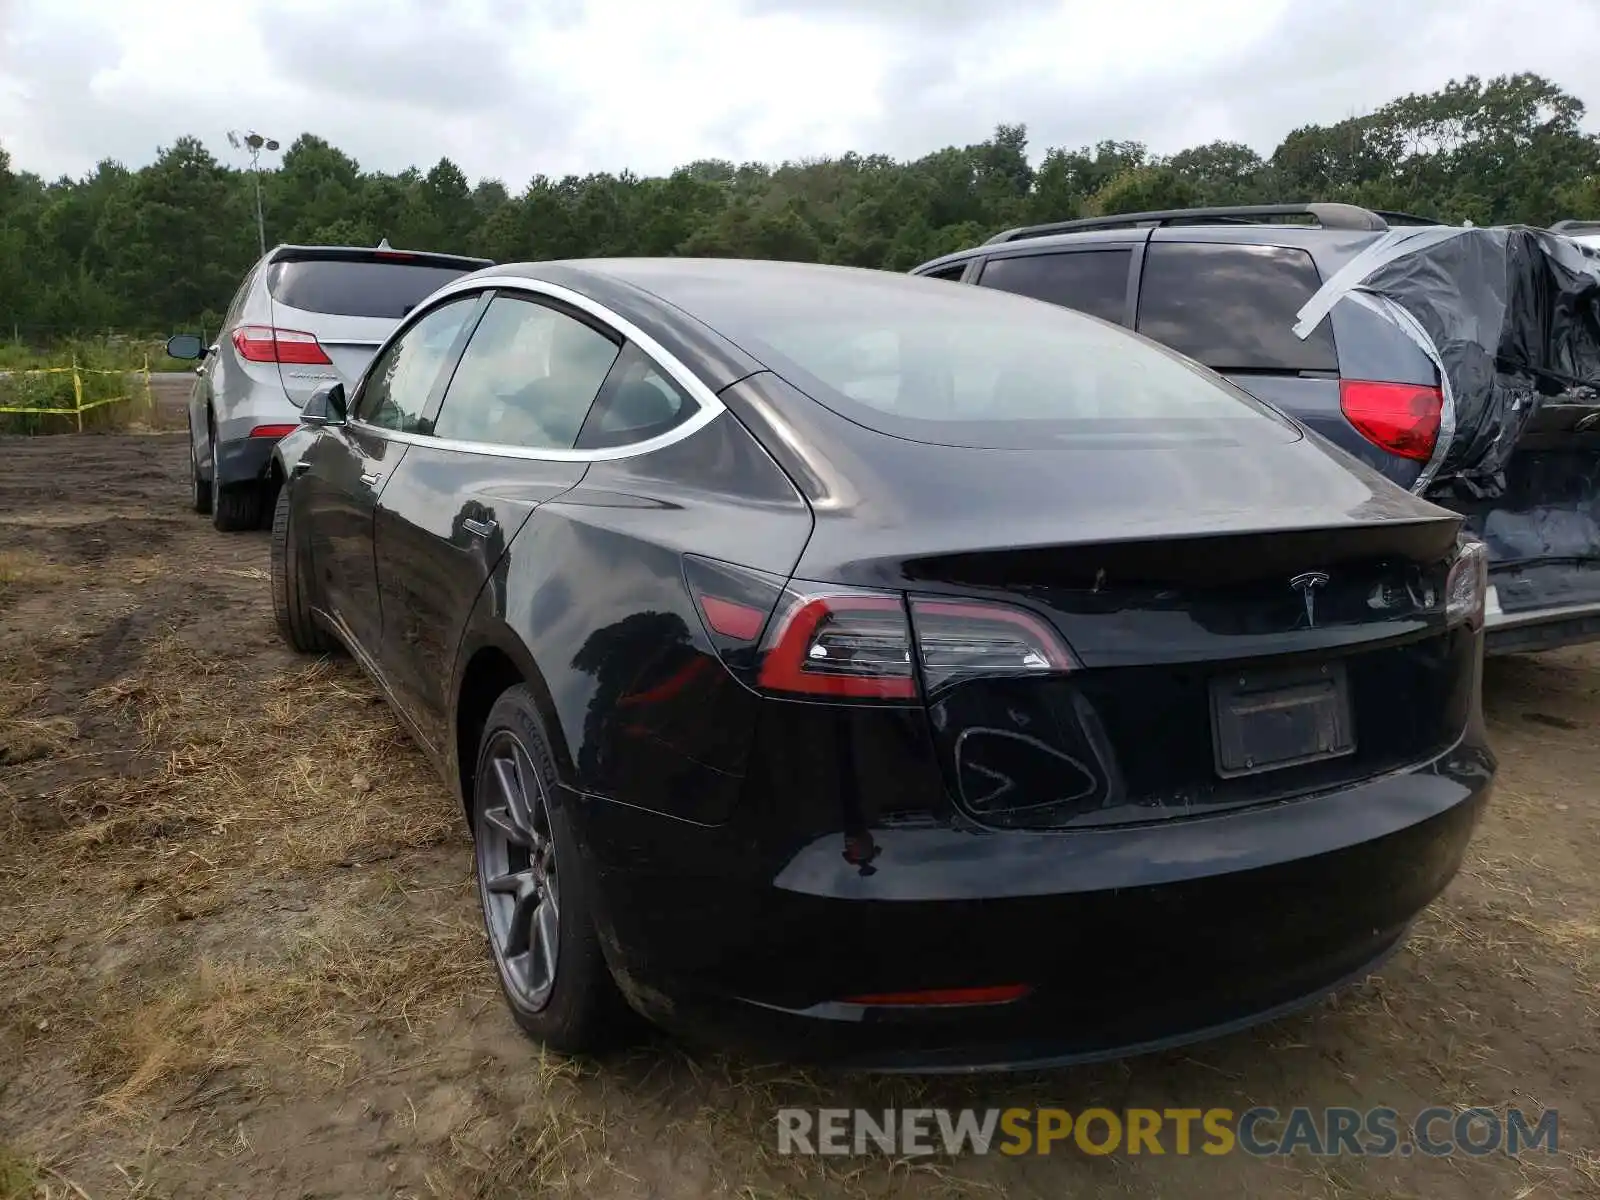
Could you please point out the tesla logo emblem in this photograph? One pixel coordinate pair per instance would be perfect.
(1307, 584)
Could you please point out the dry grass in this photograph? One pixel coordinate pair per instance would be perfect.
(546, 1152)
(240, 952)
(26, 733)
(19, 1177)
(216, 799)
(20, 573)
(307, 1007)
(312, 782)
(315, 773)
(24, 739)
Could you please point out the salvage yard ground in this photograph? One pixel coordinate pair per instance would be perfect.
(240, 953)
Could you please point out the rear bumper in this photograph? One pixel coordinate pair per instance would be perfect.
(263, 403)
(1126, 939)
(1538, 628)
(245, 459)
(1021, 1036)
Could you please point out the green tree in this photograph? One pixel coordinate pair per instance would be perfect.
(744, 231)
(316, 187)
(1223, 173)
(176, 238)
(158, 246)
(1144, 189)
(1580, 200)
(447, 198)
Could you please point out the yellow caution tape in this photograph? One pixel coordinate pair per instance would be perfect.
(68, 412)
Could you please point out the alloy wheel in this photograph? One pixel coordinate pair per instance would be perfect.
(517, 881)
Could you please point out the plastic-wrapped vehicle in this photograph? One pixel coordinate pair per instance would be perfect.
(1511, 318)
(1585, 233)
(1462, 363)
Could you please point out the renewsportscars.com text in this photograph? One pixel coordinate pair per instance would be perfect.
(1261, 1132)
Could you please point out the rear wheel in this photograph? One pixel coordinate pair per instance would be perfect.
(536, 889)
(235, 506)
(290, 604)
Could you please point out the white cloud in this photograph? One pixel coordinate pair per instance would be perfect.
(940, 14)
(405, 60)
(508, 89)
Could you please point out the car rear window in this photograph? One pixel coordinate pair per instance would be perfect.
(353, 288)
(977, 367)
(1091, 281)
(1233, 307)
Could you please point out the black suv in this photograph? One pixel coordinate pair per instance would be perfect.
(1224, 286)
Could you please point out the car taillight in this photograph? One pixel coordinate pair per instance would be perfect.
(840, 643)
(1468, 585)
(815, 640)
(263, 343)
(273, 431)
(962, 638)
(1402, 418)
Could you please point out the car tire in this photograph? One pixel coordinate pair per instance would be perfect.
(236, 506)
(199, 489)
(296, 624)
(568, 1001)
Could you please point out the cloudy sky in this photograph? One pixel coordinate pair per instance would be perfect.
(509, 88)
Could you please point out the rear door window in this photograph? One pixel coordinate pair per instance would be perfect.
(527, 378)
(359, 288)
(1233, 307)
(639, 401)
(1091, 281)
(237, 303)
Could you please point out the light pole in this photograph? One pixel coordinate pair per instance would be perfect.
(255, 143)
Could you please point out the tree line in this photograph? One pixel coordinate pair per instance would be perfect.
(165, 245)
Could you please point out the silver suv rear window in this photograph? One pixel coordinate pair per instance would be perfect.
(357, 289)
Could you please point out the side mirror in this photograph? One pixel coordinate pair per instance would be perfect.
(325, 407)
(185, 346)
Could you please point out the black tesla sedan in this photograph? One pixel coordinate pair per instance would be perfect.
(872, 670)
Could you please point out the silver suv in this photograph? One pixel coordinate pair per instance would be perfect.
(304, 316)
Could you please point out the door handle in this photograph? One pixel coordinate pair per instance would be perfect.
(479, 528)
(370, 478)
(301, 466)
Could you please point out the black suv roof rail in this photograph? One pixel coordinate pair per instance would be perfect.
(1329, 216)
(1405, 218)
(1575, 227)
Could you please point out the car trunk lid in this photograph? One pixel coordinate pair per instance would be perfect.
(1215, 673)
(349, 344)
(1195, 586)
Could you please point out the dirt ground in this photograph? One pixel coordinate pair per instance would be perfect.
(240, 952)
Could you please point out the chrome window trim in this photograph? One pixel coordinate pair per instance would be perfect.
(709, 406)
